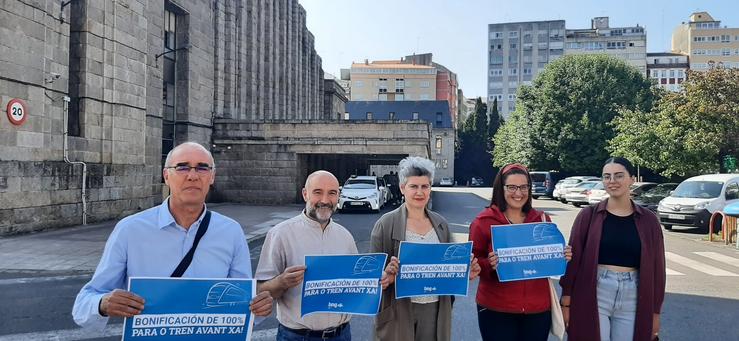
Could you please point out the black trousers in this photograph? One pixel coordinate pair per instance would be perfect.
(497, 326)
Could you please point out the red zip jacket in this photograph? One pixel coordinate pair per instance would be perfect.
(523, 297)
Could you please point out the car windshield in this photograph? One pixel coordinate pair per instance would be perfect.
(698, 189)
(587, 185)
(598, 185)
(659, 191)
(359, 184)
(570, 181)
(538, 177)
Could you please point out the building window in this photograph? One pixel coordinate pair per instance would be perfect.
(346, 116)
(496, 72)
(169, 61)
(391, 116)
(725, 38)
(358, 84)
(425, 84)
(76, 26)
(399, 83)
(514, 45)
(438, 145)
(369, 115)
(414, 116)
(513, 34)
(382, 97)
(439, 120)
(527, 71)
(512, 71)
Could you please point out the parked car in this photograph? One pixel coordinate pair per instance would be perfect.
(597, 194)
(652, 197)
(446, 181)
(638, 188)
(542, 183)
(694, 201)
(362, 192)
(385, 190)
(475, 181)
(578, 195)
(561, 188)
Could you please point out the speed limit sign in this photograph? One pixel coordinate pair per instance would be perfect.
(17, 111)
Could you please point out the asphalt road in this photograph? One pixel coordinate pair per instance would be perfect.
(702, 302)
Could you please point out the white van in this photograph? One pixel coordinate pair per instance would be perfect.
(694, 201)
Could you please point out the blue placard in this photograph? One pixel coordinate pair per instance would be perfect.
(528, 251)
(191, 309)
(343, 284)
(433, 269)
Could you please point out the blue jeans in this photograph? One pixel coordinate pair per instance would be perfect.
(617, 293)
(283, 334)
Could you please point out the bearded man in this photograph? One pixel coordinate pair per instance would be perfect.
(282, 261)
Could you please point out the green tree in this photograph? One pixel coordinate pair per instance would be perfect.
(567, 112)
(686, 133)
(494, 122)
(472, 157)
(512, 141)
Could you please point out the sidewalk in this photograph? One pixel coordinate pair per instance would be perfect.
(79, 248)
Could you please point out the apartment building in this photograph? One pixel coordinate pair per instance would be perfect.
(517, 52)
(706, 42)
(668, 70)
(626, 43)
(392, 80)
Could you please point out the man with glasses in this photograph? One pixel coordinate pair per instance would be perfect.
(157, 243)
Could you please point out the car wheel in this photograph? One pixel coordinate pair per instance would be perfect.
(667, 227)
(535, 196)
(563, 200)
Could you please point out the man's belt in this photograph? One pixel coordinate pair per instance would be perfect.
(327, 333)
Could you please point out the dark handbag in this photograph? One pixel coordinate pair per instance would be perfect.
(185, 262)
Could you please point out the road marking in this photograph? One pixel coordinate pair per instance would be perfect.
(671, 272)
(460, 237)
(110, 330)
(67, 334)
(28, 280)
(705, 268)
(719, 257)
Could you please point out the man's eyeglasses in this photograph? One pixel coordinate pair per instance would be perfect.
(617, 177)
(514, 188)
(183, 168)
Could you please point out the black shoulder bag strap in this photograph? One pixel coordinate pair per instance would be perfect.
(185, 262)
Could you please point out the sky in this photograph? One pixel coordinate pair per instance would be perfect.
(456, 31)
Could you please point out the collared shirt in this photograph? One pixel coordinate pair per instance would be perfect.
(152, 244)
(286, 245)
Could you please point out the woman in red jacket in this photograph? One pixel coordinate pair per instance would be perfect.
(517, 310)
(614, 287)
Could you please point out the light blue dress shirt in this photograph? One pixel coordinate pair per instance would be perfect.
(151, 244)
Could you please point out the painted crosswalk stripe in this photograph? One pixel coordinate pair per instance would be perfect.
(719, 257)
(671, 272)
(705, 268)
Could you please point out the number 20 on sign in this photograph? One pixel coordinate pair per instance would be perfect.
(17, 111)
